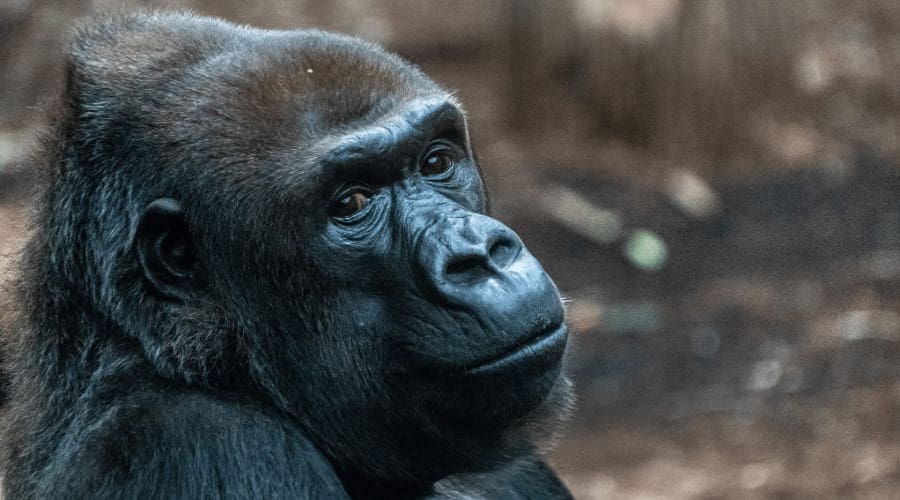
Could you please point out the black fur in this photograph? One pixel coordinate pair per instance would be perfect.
(261, 268)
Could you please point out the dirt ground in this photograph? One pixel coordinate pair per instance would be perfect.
(761, 362)
(715, 187)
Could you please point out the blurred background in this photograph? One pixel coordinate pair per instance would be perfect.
(714, 184)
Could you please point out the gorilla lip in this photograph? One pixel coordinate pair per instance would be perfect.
(546, 344)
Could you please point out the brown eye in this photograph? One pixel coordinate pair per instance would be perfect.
(438, 161)
(350, 203)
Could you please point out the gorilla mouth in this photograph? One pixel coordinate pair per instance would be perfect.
(544, 347)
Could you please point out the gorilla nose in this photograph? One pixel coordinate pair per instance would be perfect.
(475, 262)
(489, 252)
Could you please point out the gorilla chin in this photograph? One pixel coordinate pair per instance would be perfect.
(528, 372)
(533, 388)
(264, 266)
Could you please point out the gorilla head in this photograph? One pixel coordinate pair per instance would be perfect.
(296, 221)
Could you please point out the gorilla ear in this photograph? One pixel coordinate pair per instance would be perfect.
(165, 249)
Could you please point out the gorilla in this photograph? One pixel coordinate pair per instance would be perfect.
(262, 267)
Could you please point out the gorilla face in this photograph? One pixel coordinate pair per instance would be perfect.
(455, 312)
(312, 228)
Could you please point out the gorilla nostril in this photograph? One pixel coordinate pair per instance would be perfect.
(503, 252)
(466, 269)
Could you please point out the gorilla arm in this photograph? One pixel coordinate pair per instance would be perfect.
(523, 479)
(190, 446)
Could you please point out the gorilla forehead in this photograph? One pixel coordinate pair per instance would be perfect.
(165, 81)
(326, 80)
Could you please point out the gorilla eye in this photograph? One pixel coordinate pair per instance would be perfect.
(440, 159)
(350, 203)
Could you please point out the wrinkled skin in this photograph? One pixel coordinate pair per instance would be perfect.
(263, 268)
